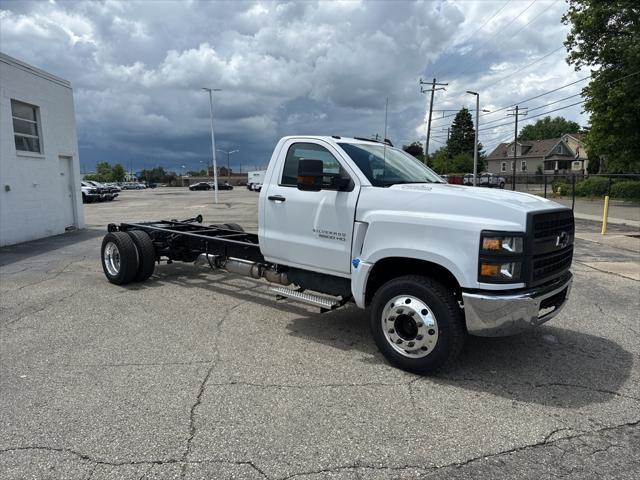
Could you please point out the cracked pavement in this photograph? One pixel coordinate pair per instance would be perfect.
(199, 375)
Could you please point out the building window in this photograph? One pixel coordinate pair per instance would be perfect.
(523, 165)
(26, 128)
(560, 150)
(513, 166)
(503, 167)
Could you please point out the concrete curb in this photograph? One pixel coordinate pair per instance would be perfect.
(617, 221)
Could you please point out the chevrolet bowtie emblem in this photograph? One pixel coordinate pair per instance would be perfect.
(562, 240)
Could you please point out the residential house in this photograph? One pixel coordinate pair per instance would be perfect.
(566, 154)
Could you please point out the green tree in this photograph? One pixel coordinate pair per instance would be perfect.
(158, 175)
(440, 160)
(103, 172)
(548, 127)
(462, 135)
(117, 173)
(444, 163)
(606, 36)
(415, 149)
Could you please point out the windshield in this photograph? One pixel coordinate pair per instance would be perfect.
(385, 166)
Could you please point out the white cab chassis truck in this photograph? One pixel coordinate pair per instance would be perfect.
(348, 220)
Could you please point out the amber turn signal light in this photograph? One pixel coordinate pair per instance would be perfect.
(489, 270)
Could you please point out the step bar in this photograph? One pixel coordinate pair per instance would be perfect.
(325, 303)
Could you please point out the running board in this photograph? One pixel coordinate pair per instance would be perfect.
(325, 303)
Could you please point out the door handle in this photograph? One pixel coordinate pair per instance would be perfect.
(276, 198)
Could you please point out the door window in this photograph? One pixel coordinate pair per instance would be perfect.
(331, 168)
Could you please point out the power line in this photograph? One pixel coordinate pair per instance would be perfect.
(524, 101)
(534, 116)
(496, 33)
(480, 27)
(538, 108)
(537, 96)
(544, 10)
(529, 65)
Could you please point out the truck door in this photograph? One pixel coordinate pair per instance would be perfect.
(306, 229)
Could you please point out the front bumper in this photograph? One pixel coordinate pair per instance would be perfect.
(490, 314)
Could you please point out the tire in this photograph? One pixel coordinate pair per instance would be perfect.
(119, 258)
(501, 184)
(146, 254)
(401, 300)
(233, 226)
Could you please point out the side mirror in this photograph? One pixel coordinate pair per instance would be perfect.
(310, 175)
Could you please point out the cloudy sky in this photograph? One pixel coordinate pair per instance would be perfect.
(287, 68)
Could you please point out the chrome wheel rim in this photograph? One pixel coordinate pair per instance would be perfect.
(409, 326)
(112, 258)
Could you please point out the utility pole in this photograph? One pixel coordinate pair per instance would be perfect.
(475, 142)
(515, 113)
(432, 90)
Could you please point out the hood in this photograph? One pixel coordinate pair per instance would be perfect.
(496, 208)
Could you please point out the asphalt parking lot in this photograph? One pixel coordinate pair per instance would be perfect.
(200, 375)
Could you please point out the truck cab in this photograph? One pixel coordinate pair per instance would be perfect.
(378, 214)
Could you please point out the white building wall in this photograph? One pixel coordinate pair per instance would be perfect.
(35, 196)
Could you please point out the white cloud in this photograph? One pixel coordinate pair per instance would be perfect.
(313, 67)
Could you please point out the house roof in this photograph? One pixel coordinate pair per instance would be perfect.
(533, 148)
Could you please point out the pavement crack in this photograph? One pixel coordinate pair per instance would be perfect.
(34, 312)
(429, 468)
(294, 386)
(85, 457)
(192, 419)
(138, 364)
(52, 277)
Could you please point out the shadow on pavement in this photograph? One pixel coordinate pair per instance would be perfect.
(245, 289)
(549, 366)
(22, 251)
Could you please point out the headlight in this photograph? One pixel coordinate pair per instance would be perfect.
(504, 272)
(501, 256)
(497, 244)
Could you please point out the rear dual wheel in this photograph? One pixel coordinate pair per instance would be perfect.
(127, 256)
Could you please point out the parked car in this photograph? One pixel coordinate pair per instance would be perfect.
(89, 193)
(132, 186)
(200, 186)
(96, 192)
(224, 186)
(114, 186)
(490, 180)
(104, 187)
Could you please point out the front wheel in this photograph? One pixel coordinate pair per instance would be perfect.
(417, 324)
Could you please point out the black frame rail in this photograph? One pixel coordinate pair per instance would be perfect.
(185, 240)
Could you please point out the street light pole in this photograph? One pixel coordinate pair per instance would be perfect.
(228, 166)
(475, 143)
(213, 143)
